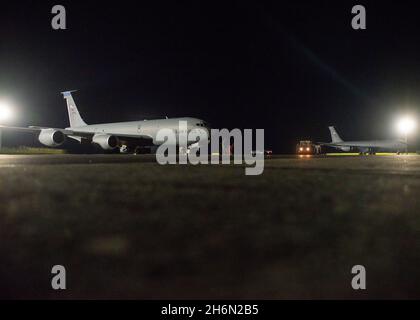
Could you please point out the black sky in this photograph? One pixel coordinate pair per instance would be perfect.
(292, 68)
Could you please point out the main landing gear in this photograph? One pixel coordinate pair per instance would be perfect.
(369, 152)
(133, 150)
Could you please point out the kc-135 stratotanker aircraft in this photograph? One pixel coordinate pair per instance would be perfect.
(134, 136)
(365, 146)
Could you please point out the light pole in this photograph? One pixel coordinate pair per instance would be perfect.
(5, 115)
(405, 126)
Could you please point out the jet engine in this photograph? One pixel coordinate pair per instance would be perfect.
(51, 137)
(105, 141)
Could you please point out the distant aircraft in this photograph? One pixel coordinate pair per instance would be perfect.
(133, 136)
(369, 147)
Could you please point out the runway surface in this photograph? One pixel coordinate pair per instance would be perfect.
(126, 227)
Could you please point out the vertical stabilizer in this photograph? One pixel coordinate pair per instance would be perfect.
(334, 135)
(74, 115)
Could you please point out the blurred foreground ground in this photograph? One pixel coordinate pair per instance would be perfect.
(126, 227)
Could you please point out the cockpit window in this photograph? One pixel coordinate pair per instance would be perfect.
(202, 124)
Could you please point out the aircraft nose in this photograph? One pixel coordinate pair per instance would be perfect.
(203, 130)
(208, 130)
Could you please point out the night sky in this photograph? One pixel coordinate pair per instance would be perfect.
(290, 68)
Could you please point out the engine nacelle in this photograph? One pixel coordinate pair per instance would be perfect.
(51, 137)
(105, 141)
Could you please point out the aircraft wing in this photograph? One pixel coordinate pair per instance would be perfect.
(118, 135)
(330, 144)
(70, 132)
(32, 129)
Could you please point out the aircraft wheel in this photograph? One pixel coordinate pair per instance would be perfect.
(124, 149)
(137, 150)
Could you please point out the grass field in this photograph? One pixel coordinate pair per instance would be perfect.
(141, 230)
(31, 151)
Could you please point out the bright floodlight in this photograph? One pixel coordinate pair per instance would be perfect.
(5, 112)
(406, 125)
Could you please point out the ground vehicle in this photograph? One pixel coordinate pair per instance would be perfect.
(307, 147)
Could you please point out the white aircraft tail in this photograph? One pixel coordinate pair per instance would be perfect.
(334, 135)
(74, 115)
